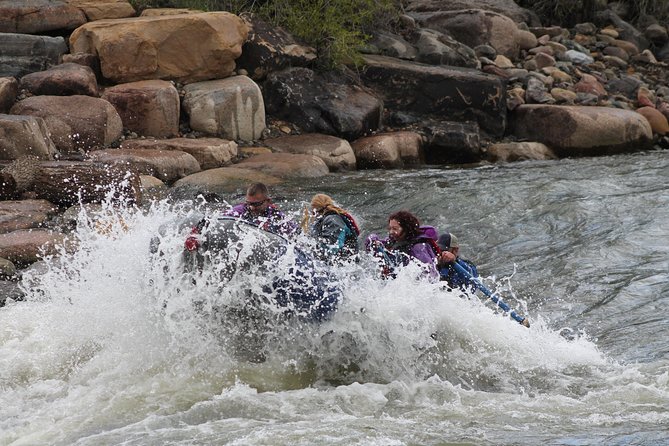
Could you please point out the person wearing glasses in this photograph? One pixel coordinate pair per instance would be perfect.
(259, 210)
(406, 240)
(450, 250)
(334, 229)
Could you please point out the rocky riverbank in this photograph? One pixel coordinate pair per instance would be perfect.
(96, 99)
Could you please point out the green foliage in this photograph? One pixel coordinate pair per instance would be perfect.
(336, 28)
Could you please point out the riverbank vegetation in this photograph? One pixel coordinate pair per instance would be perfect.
(335, 28)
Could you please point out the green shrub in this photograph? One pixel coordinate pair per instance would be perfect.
(336, 28)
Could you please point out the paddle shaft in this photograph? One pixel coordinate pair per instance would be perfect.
(500, 303)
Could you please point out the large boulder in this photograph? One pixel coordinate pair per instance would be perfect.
(104, 9)
(322, 104)
(24, 214)
(22, 136)
(26, 246)
(231, 108)
(389, 150)
(507, 8)
(225, 180)
(62, 80)
(519, 151)
(448, 142)
(38, 16)
(185, 47)
(475, 27)
(436, 48)
(148, 108)
(336, 152)
(286, 165)
(166, 165)
(67, 183)
(76, 123)
(581, 131)
(9, 90)
(270, 48)
(451, 93)
(21, 54)
(210, 153)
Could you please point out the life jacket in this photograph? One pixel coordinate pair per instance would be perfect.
(350, 222)
(350, 243)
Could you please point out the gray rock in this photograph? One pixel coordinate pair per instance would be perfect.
(579, 58)
(393, 45)
(450, 142)
(270, 48)
(322, 104)
(436, 48)
(21, 54)
(448, 92)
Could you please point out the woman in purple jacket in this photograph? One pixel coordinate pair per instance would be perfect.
(407, 240)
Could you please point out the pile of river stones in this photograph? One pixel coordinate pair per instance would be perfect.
(98, 102)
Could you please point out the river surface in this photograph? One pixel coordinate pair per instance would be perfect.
(108, 350)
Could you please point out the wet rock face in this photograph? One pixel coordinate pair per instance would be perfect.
(447, 92)
(21, 54)
(319, 105)
(269, 49)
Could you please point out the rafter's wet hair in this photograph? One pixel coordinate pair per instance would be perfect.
(256, 189)
(408, 222)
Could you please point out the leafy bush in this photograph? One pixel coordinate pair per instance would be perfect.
(336, 28)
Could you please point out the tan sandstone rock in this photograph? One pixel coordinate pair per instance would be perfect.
(104, 9)
(658, 122)
(232, 108)
(26, 246)
(581, 131)
(74, 122)
(287, 165)
(24, 214)
(22, 136)
(519, 151)
(167, 165)
(148, 108)
(38, 16)
(9, 89)
(210, 153)
(389, 150)
(226, 179)
(336, 152)
(184, 47)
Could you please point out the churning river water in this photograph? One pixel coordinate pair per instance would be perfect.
(107, 348)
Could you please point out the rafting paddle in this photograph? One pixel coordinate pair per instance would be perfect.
(520, 319)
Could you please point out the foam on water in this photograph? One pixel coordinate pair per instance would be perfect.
(108, 346)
